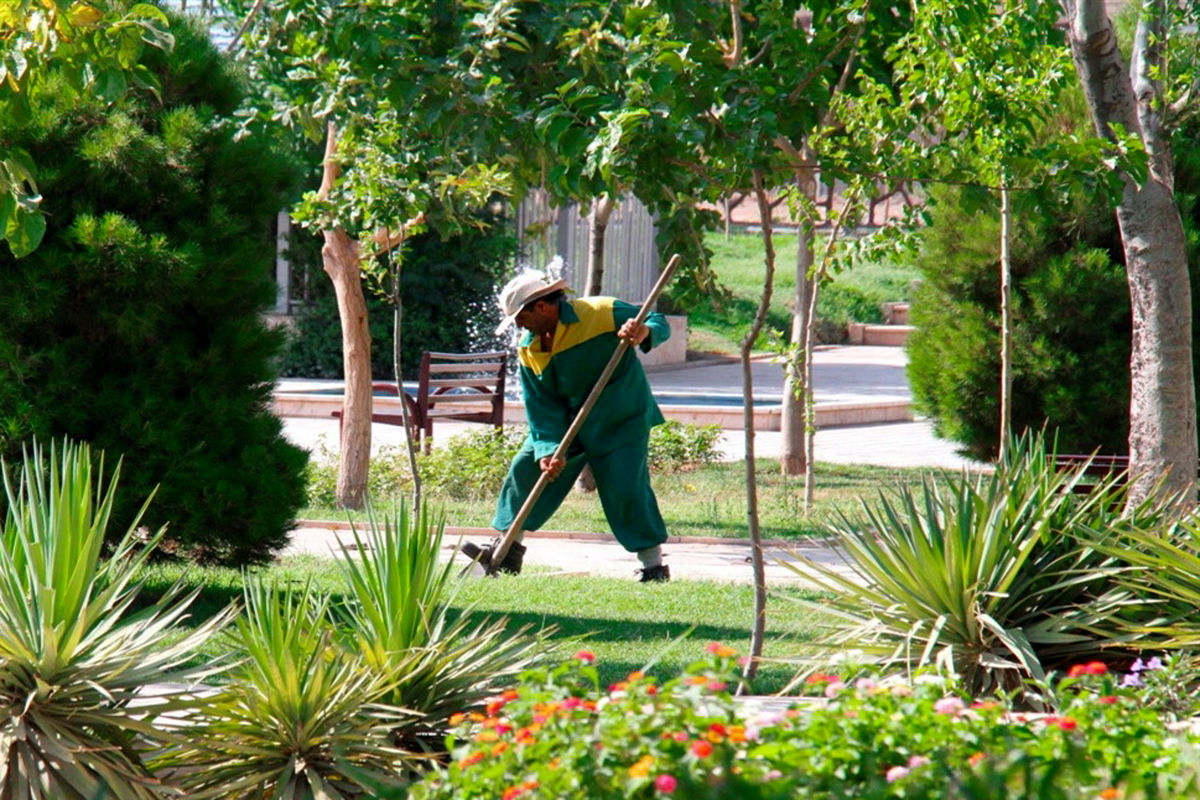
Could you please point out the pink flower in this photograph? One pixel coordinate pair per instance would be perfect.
(665, 783)
(950, 706)
(586, 656)
(917, 761)
(834, 689)
(896, 773)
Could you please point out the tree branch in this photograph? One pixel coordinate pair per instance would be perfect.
(236, 41)
(734, 56)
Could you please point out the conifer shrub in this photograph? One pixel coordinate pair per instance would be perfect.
(1071, 319)
(136, 325)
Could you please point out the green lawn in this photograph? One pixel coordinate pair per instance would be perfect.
(709, 500)
(626, 624)
(739, 265)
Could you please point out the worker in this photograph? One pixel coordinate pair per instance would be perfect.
(566, 346)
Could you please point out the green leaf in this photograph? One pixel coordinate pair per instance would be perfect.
(8, 204)
(24, 232)
(111, 85)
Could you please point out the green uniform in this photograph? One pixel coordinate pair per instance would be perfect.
(613, 439)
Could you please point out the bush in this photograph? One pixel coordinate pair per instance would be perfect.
(473, 464)
(1003, 577)
(75, 720)
(560, 735)
(136, 325)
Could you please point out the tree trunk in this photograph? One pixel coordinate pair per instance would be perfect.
(1162, 411)
(1006, 380)
(758, 631)
(340, 259)
(793, 459)
(601, 211)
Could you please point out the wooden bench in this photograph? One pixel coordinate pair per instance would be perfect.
(451, 386)
(1095, 466)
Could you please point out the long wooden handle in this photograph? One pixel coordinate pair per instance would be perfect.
(580, 417)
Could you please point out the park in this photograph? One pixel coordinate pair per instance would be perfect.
(898, 307)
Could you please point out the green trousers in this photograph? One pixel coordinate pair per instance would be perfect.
(622, 481)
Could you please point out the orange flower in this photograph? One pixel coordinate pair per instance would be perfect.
(737, 734)
(818, 677)
(642, 768)
(975, 759)
(697, 680)
(512, 792)
(720, 650)
(716, 733)
(1110, 794)
(487, 736)
(475, 716)
(499, 748)
(473, 758)
(1090, 668)
(636, 675)
(554, 763)
(457, 719)
(701, 748)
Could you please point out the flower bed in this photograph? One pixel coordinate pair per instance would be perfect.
(559, 735)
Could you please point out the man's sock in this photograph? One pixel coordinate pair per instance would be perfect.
(650, 557)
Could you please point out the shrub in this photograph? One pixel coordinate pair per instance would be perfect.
(136, 325)
(676, 446)
(560, 735)
(1002, 577)
(329, 697)
(75, 721)
(1070, 325)
(472, 465)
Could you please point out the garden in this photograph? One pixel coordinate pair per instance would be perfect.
(1025, 631)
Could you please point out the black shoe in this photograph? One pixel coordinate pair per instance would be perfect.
(512, 559)
(656, 574)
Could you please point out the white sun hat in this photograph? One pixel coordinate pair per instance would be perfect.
(520, 292)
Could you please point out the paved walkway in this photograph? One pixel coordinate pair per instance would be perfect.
(841, 374)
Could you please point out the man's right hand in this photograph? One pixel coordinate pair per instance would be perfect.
(552, 466)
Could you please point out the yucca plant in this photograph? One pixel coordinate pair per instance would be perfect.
(1164, 571)
(75, 659)
(299, 718)
(986, 575)
(397, 615)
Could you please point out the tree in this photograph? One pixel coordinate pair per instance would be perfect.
(137, 324)
(1138, 103)
(406, 97)
(92, 46)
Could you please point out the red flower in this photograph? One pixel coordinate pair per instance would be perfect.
(586, 656)
(717, 686)
(1090, 668)
(818, 677)
(1062, 723)
(701, 748)
(512, 792)
(1107, 699)
(665, 783)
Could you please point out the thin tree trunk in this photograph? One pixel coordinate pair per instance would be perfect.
(1162, 411)
(409, 439)
(793, 458)
(601, 212)
(1006, 379)
(340, 259)
(758, 630)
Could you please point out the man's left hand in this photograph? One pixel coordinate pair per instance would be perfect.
(633, 333)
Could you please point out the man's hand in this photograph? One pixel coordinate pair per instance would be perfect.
(634, 334)
(552, 466)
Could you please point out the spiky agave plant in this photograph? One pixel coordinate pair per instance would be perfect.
(297, 721)
(75, 659)
(397, 615)
(996, 577)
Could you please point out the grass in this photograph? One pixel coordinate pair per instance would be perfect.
(709, 500)
(739, 264)
(627, 625)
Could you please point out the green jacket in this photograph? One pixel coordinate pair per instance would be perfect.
(556, 384)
